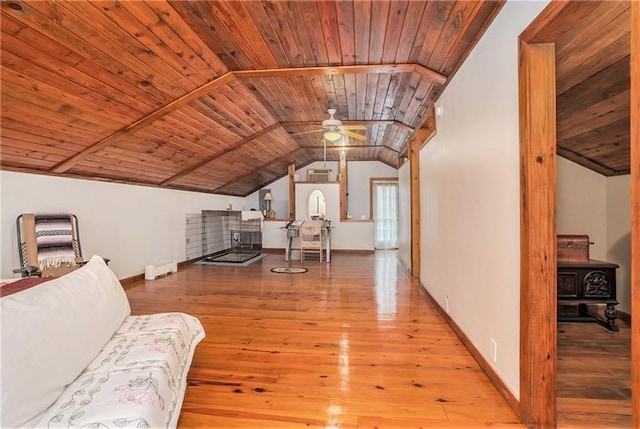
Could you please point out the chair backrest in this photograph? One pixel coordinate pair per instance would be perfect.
(35, 239)
(311, 234)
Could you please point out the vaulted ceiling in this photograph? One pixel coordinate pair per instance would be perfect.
(219, 96)
(222, 96)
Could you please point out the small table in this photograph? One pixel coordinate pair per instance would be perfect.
(293, 231)
(584, 283)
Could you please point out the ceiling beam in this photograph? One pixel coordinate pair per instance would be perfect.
(588, 163)
(219, 154)
(555, 19)
(350, 147)
(229, 76)
(145, 121)
(337, 70)
(287, 156)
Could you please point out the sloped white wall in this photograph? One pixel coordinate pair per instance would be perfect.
(131, 225)
(469, 175)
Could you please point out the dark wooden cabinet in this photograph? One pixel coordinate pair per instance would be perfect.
(583, 283)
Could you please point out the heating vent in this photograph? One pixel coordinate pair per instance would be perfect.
(152, 272)
(318, 175)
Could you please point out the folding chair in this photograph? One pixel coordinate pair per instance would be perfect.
(48, 244)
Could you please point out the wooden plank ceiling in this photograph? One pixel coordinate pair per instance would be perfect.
(593, 87)
(221, 96)
(218, 96)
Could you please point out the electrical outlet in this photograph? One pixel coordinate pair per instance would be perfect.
(446, 304)
(494, 350)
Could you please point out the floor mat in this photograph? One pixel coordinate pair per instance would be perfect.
(233, 259)
(289, 270)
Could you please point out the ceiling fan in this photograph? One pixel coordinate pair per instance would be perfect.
(334, 130)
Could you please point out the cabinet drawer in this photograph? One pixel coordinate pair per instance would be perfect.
(568, 285)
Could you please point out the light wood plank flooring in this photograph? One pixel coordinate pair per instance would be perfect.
(351, 344)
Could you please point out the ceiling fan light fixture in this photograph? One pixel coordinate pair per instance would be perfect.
(332, 136)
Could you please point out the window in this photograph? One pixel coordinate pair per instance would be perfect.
(385, 212)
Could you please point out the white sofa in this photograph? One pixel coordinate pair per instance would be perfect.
(73, 356)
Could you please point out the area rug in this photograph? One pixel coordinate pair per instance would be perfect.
(289, 270)
(227, 263)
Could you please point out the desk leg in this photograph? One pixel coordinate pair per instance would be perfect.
(328, 250)
(287, 251)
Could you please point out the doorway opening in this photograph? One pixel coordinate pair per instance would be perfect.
(384, 200)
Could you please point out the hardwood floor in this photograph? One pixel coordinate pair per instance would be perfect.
(351, 344)
(594, 376)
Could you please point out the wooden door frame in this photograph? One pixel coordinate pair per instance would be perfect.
(538, 337)
(635, 213)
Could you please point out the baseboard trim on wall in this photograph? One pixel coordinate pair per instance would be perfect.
(405, 267)
(488, 369)
(127, 282)
(333, 251)
(600, 308)
(352, 251)
(624, 316)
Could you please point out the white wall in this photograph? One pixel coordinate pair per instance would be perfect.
(582, 205)
(132, 225)
(469, 175)
(279, 192)
(344, 235)
(619, 235)
(404, 221)
(590, 203)
(358, 186)
(273, 236)
(359, 174)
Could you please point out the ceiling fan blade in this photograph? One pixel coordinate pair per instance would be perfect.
(307, 132)
(353, 127)
(354, 135)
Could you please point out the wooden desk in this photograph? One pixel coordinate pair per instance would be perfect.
(293, 231)
(584, 283)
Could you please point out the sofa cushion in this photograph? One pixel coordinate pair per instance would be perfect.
(137, 380)
(50, 333)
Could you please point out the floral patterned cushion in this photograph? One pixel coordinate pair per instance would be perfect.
(138, 379)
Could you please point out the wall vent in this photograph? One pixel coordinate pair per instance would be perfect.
(318, 175)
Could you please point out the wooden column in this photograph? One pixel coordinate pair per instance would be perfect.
(635, 214)
(414, 171)
(422, 136)
(343, 185)
(292, 192)
(538, 337)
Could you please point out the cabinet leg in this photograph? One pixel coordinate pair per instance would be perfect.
(611, 314)
(583, 310)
